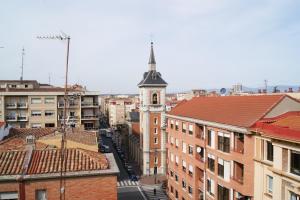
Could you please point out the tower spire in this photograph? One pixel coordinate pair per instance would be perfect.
(152, 63)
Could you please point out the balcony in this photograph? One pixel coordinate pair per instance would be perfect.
(22, 105)
(69, 105)
(11, 118)
(22, 118)
(89, 117)
(61, 117)
(89, 104)
(11, 105)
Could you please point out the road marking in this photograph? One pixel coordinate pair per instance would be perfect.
(142, 193)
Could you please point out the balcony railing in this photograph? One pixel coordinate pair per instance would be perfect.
(22, 105)
(61, 117)
(11, 118)
(89, 104)
(22, 118)
(89, 117)
(70, 105)
(11, 105)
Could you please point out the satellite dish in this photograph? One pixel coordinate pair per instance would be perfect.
(223, 90)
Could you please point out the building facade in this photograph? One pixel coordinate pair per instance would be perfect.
(277, 158)
(211, 145)
(152, 90)
(29, 104)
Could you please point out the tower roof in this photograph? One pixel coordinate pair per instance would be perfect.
(152, 57)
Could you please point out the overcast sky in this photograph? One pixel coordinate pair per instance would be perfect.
(198, 44)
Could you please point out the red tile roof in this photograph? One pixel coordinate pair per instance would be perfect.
(37, 132)
(48, 161)
(284, 127)
(242, 111)
(17, 143)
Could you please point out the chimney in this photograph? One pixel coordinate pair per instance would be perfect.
(30, 141)
(290, 90)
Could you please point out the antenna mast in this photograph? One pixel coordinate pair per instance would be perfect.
(266, 85)
(22, 66)
(63, 138)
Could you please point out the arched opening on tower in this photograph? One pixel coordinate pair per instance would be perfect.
(154, 99)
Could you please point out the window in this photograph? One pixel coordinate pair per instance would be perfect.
(40, 195)
(49, 113)
(172, 157)
(294, 196)
(36, 125)
(155, 121)
(36, 100)
(224, 142)
(176, 143)
(9, 195)
(48, 125)
(191, 170)
(224, 169)
(171, 173)
(155, 160)
(211, 138)
(183, 184)
(172, 124)
(295, 162)
(172, 189)
(176, 194)
(49, 100)
(184, 147)
(239, 142)
(176, 125)
(155, 130)
(269, 184)
(183, 165)
(191, 129)
(176, 177)
(154, 99)
(269, 151)
(190, 190)
(183, 127)
(210, 187)
(36, 113)
(238, 172)
(177, 160)
(200, 153)
(211, 162)
(155, 140)
(190, 149)
(223, 193)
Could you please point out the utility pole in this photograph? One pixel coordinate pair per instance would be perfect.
(63, 138)
(22, 65)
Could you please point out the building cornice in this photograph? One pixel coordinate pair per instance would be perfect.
(213, 124)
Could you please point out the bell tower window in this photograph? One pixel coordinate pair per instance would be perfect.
(154, 99)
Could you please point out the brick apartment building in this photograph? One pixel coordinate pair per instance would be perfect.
(277, 158)
(30, 166)
(211, 145)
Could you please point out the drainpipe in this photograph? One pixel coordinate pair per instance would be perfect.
(204, 161)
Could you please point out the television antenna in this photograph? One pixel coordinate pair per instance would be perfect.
(62, 37)
(22, 64)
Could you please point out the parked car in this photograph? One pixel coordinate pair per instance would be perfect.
(133, 177)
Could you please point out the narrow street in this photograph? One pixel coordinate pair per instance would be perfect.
(127, 189)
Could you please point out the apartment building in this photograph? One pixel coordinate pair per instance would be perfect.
(277, 158)
(29, 104)
(211, 145)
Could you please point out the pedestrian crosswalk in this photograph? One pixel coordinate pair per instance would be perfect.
(125, 183)
(149, 191)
